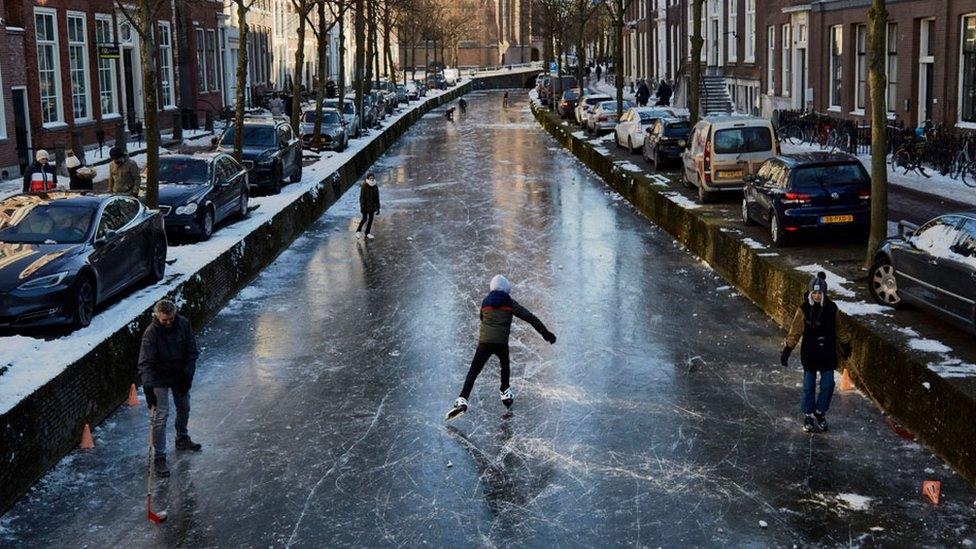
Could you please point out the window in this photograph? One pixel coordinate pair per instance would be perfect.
(861, 66)
(836, 67)
(770, 59)
(201, 63)
(750, 31)
(743, 140)
(787, 60)
(78, 61)
(968, 74)
(3, 118)
(212, 58)
(166, 64)
(48, 65)
(733, 29)
(891, 66)
(106, 67)
(937, 236)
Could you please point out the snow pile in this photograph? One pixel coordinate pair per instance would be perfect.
(855, 502)
(753, 244)
(862, 308)
(682, 201)
(629, 166)
(835, 282)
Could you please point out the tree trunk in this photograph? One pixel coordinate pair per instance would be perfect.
(559, 64)
(618, 55)
(150, 86)
(387, 50)
(322, 50)
(877, 23)
(697, 42)
(341, 9)
(296, 83)
(241, 80)
(360, 31)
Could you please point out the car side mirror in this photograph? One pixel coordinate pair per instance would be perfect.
(102, 240)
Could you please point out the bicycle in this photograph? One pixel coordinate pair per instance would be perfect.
(909, 156)
(963, 166)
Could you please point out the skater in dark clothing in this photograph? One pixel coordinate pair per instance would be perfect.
(369, 205)
(449, 114)
(167, 362)
(643, 94)
(823, 344)
(463, 104)
(505, 99)
(497, 311)
(664, 92)
(599, 72)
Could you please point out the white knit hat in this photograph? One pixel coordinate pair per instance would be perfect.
(72, 161)
(41, 153)
(500, 283)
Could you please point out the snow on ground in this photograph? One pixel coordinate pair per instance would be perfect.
(753, 244)
(682, 201)
(928, 346)
(862, 308)
(33, 362)
(855, 502)
(629, 166)
(835, 282)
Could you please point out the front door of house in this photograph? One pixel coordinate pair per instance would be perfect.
(21, 127)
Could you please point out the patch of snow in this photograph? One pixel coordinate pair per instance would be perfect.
(660, 180)
(753, 244)
(629, 166)
(855, 502)
(768, 254)
(928, 346)
(861, 308)
(835, 282)
(953, 368)
(682, 201)
(927, 385)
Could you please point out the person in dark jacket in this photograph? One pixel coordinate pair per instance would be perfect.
(823, 344)
(664, 93)
(330, 88)
(40, 177)
(497, 311)
(369, 205)
(643, 93)
(80, 177)
(167, 362)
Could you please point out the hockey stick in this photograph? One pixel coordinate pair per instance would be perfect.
(161, 516)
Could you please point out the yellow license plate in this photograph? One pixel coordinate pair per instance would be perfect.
(837, 219)
(729, 174)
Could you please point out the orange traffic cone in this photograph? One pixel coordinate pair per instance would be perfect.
(133, 396)
(87, 442)
(932, 489)
(845, 381)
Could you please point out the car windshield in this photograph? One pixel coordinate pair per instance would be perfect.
(611, 106)
(254, 136)
(570, 95)
(823, 177)
(594, 100)
(681, 129)
(39, 223)
(743, 140)
(348, 107)
(650, 116)
(328, 117)
(183, 171)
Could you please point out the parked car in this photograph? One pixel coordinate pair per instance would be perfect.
(725, 149)
(603, 117)
(64, 253)
(271, 152)
(421, 88)
(377, 101)
(348, 113)
(665, 141)
(196, 192)
(387, 93)
(634, 123)
(402, 95)
(586, 103)
(932, 266)
(436, 82)
(332, 133)
(544, 90)
(808, 192)
(567, 103)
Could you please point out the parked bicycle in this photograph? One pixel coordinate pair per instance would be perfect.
(910, 155)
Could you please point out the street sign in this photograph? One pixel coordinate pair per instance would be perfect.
(109, 51)
(553, 68)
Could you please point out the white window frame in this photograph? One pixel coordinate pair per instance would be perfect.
(107, 65)
(891, 62)
(85, 69)
(201, 56)
(835, 102)
(214, 84)
(3, 112)
(860, 68)
(750, 31)
(733, 31)
(58, 97)
(786, 32)
(962, 38)
(165, 52)
(771, 59)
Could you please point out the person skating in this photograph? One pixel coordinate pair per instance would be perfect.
(369, 205)
(167, 362)
(123, 173)
(40, 177)
(463, 104)
(449, 113)
(505, 99)
(823, 342)
(497, 311)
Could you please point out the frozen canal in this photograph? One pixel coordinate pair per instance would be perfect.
(660, 418)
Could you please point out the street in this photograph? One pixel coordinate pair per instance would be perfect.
(661, 417)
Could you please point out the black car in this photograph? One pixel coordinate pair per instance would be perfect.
(271, 152)
(808, 192)
(567, 103)
(932, 266)
(665, 141)
(64, 253)
(196, 192)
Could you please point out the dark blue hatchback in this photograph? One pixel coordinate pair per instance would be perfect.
(825, 192)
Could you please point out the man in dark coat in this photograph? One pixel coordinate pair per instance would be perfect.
(664, 94)
(497, 311)
(330, 88)
(643, 93)
(823, 344)
(167, 362)
(40, 176)
(369, 205)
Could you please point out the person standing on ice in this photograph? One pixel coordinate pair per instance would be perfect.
(167, 362)
(369, 205)
(823, 342)
(497, 311)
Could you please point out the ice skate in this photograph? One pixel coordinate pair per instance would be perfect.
(460, 406)
(507, 397)
(821, 420)
(808, 423)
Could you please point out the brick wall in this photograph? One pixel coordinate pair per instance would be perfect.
(13, 74)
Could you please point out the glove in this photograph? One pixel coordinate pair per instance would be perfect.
(377, 212)
(549, 336)
(785, 357)
(150, 396)
(846, 349)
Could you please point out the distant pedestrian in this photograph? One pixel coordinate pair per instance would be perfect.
(505, 99)
(276, 105)
(449, 113)
(463, 104)
(167, 363)
(823, 344)
(497, 310)
(330, 88)
(123, 173)
(643, 93)
(369, 205)
(40, 176)
(599, 72)
(664, 93)
(80, 178)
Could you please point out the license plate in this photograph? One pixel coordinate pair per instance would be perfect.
(731, 174)
(837, 219)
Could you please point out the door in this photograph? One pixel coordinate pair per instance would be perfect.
(801, 56)
(21, 127)
(128, 81)
(713, 58)
(957, 276)
(227, 186)
(113, 258)
(918, 265)
(925, 89)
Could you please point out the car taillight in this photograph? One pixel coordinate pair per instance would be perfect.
(603, 119)
(707, 159)
(795, 198)
(864, 194)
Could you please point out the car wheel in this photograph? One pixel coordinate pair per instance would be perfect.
(882, 283)
(207, 224)
(296, 173)
(84, 302)
(745, 212)
(776, 232)
(242, 206)
(157, 263)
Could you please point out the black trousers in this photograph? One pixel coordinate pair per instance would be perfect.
(368, 220)
(481, 356)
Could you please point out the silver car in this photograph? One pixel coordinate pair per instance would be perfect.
(349, 113)
(333, 134)
(603, 117)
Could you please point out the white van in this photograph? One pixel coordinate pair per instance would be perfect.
(725, 149)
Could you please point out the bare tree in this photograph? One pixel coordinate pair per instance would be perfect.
(696, 47)
(878, 21)
(243, 6)
(302, 8)
(617, 9)
(552, 18)
(583, 10)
